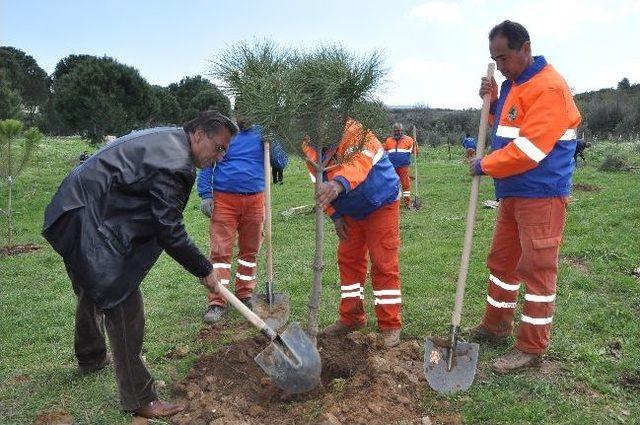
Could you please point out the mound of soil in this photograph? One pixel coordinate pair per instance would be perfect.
(18, 249)
(362, 383)
(586, 187)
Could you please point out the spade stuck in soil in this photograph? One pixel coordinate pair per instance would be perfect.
(450, 366)
(291, 360)
(272, 306)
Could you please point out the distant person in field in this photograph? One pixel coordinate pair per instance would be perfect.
(83, 157)
(232, 196)
(110, 220)
(400, 149)
(469, 145)
(360, 195)
(279, 161)
(533, 139)
(580, 147)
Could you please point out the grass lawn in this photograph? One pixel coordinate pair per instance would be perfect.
(596, 334)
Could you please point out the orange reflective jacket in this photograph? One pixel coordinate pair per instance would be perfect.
(361, 166)
(534, 135)
(400, 151)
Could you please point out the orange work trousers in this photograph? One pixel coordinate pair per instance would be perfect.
(405, 181)
(378, 235)
(240, 214)
(525, 248)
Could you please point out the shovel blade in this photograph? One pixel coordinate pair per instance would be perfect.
(275, 314)
(463, 368)
(292, 361)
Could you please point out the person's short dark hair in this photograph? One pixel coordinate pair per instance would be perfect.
(515, 34)
(210, 122)
(468, 135)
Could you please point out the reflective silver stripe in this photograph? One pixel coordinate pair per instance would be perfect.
(246, 263)
(368, 153)
(503, 285)
(384, 292)
(513, 132)
(499, 304)
(378, 156)
(506, 131)
(244, 277)
(407, 193)
(224, 281)
(313, 178)
(569, 134)
(399, 150)
(350, 287)
(221, 266)
(540, 298)
(354, 294)
(537, 321)
(529, 149)
(383, 301)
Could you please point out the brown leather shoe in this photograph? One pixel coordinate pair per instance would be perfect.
(159, 409)
(480, 333)
(339, 328)
(391, 337)
(86, 370)
(515, 360)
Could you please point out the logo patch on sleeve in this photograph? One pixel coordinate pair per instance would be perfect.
(513, 113)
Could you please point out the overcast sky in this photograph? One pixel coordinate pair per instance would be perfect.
(435, 51)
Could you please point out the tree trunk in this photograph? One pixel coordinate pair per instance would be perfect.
(318, 264)
(10, 213)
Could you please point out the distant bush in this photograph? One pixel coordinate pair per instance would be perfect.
(615, 162)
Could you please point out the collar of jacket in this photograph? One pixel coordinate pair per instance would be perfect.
(539, 62)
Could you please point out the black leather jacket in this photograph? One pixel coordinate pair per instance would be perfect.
(114, 214)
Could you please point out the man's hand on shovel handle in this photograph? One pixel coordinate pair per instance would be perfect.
(489, 86)
(211, 281)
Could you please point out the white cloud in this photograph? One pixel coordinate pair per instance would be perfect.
(437, 11)
(563, 18)
(435, 83)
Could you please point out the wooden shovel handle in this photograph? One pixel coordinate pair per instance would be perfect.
(246, 312)
(473, 206)
(267, 209)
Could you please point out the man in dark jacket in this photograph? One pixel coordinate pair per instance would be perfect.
(110, 220)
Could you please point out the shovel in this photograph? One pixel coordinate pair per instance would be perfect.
(416, 203)
(291, 360)
(272, 306)
(450, 365)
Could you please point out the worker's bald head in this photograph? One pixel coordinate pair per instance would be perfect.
(397, 130)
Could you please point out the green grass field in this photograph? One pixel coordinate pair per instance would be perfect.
(598, 300)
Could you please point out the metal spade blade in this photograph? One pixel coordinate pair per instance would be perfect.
(292, 361)
(463, 366)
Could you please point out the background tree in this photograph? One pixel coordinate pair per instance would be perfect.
(166, 109)
(196, 94)
(305, 95)
(624, 84)
(16, 147)
(10, 99)
(25, 76)
(98, 96)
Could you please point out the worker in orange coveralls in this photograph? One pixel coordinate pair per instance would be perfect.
(360, 194)
(533, 140)
(400, 148)
(232, 195)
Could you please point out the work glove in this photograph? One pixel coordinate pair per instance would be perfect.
(206, 206)
(475, 168)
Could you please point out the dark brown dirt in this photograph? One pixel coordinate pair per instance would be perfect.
(576, 263)
(55, 417)
(631, 379)
(362, 383)
(7, 250)
(584, 187)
